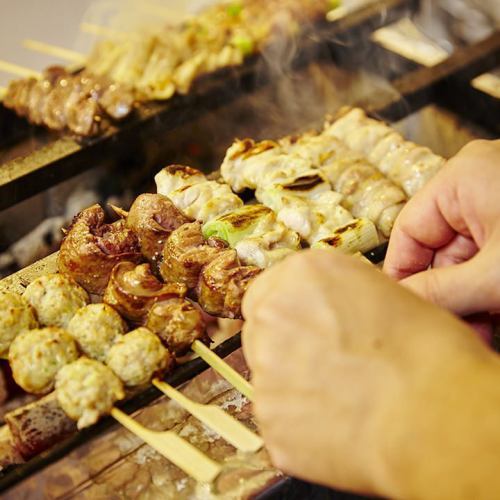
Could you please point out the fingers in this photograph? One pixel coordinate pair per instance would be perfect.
(420, 229)
(462, 288)
(459, 250)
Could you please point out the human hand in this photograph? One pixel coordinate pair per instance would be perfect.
(361, 385)
(453, 225)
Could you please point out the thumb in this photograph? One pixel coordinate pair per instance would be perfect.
(463, 288)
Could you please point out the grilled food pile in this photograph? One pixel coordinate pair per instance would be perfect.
(149, 66)
(81, 103)
(126, 301)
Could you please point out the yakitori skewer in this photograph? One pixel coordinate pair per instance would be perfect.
(225, 425)
(180, 452)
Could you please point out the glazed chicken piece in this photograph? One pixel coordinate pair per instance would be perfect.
(79, 102)
(153, 217)
(132, 290)
(222, 284)
(91, 249)
(185, 254)
(178, 323)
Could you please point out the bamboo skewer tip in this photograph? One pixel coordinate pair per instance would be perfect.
(227, 426)
(223, 369)
(174, 448)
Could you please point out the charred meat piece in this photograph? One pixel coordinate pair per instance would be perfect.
(222, 284)
(39, 425)
(178, 323)
(153, 217)
(79, 102)
(132, 290)
(185, 254)
(92, 248)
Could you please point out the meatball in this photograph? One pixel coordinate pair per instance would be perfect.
(55, 298)
(138, 356)
(35, 357)
(178, 323)
(16, 315)
(86, 390)
(95, 328)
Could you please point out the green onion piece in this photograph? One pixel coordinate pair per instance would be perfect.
(244, 44)
(234, 9)
(239, 224)
(334, 4)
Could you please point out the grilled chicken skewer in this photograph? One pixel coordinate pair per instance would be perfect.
(300, 195)
(79, 102)
(365, 192)
(407, 164)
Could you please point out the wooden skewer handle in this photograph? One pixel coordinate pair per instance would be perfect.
(223, 369)
(179, 451)
(17, 70)
(228, 427)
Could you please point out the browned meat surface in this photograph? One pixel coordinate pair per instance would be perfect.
(81, 103)
(222, 284)
(92, 248)
(132, 290)
(153, 217)
(38, 426)
(178, 323)
(185, 253)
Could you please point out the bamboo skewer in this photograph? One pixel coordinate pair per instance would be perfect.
(179, 451)
(54, 50)
(223, 369)
(96, 29)
(233, 431)
(16, 69)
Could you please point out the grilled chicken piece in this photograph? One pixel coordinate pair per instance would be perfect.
(178, 323)
(132, 290)
(222, 284)
(407, 164)
(86, 390)
(255, 233)
(35, 357)
(194, 195)
(175, 177)
(92, 248)
(55, 298)
(39, 425)
(79, 102)
(185, 253)
(153, 217)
